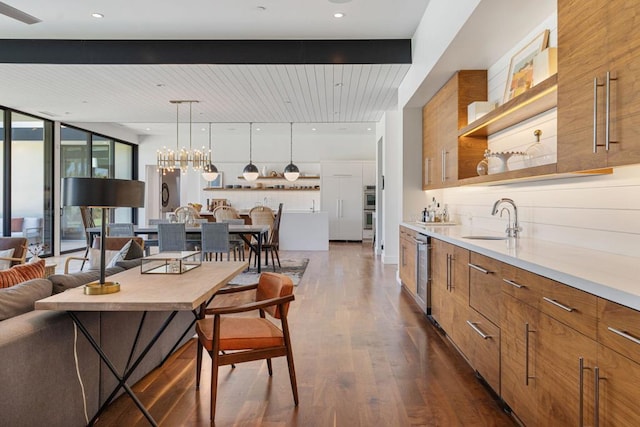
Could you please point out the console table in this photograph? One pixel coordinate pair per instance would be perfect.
(143, 292)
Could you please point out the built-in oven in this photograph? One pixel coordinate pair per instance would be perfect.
(369, 198)
(423, 272)
(367, 220)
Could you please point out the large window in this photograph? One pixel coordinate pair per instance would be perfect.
(27, 157)
(84, 154)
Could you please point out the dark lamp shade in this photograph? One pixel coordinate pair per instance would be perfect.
(103, 192)
(210, 172)
(291, 172)
(250, 172)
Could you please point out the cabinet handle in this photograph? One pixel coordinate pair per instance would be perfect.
(444, 165)
(448, 272)
(514, 284)
(475, 328)
(427, 162)
(624, 335)
(607, 123)
(581, 390)
(527, 331)
(477, 267)
(596, 398)
(557, 304)
(596, 85)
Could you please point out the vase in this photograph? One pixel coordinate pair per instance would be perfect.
(34, 259)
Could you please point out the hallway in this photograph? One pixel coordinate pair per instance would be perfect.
(364, 356)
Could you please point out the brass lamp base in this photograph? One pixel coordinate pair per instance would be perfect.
(97, 288)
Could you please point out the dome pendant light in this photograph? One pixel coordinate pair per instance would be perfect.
(250, 172)
(291, 171)
(210, 171)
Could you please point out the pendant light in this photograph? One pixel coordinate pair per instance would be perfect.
(210, 171)
(250, 172)
(291, 171)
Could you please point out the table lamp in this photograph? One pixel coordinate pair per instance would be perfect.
(102, 193)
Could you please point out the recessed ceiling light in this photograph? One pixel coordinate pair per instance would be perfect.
(338, 15)
(314, 129)
(339, 84)
(368, 128)
(147, 129)
(97, 15)
(339, 1)
(257, 128)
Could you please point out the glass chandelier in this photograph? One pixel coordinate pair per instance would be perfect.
(169, 160)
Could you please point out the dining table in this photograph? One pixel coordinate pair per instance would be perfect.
(260, 234)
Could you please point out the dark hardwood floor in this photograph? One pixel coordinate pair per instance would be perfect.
(364, 356)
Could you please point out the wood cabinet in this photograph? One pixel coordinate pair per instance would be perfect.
(485, 285)
(448, 157)
(598, 110)
(479, 341)
(450, 286)
(407, 267)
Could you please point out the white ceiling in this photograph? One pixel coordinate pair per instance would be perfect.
(137, 96)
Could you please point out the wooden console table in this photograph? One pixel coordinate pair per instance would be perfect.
(143, 292)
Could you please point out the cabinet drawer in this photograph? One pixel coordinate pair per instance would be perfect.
(482, 342)
(522, 285)
(619, 328)
(570, 306)
(485, 284)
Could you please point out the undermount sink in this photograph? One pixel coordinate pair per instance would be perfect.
(486, 237)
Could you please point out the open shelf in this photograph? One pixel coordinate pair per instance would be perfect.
(540, 98)
(260, 178)
(533, 174)
(259, 189)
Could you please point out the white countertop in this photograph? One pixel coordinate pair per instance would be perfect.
(611, 276)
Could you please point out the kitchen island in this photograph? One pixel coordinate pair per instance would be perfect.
(304, 231)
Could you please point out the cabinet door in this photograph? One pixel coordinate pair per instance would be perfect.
(485, 284)
(559, 351)
(518, 351)
(403, 265)
(430, 165)
(351, 207)
(331, 203)
(479, 340)
(618, 391)
(459, 272)
(447, 117)
(441, 305)
(581, 58)
(623, 45)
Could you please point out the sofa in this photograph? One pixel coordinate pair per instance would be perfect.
(39, 384)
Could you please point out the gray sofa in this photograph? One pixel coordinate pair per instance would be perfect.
(38, 381)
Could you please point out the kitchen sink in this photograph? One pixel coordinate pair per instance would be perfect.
(486, 237)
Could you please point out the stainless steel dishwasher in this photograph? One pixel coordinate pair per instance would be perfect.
(423, 272)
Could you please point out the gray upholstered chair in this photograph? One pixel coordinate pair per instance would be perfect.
(172, 237)
(215, 240)
(120, 229)
(236, 244)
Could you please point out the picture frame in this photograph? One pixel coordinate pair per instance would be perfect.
(216, 183)
(520, 73)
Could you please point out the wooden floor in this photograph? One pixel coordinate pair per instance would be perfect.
(364, 356)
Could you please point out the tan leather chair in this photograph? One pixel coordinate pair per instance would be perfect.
(232, 339)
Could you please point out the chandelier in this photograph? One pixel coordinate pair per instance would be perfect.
(169, 160)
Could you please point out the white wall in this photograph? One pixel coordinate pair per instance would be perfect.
(391, 131)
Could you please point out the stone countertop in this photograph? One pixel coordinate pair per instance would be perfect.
(607, 275)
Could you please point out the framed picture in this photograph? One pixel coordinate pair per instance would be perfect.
(520, 75)
(216, 183)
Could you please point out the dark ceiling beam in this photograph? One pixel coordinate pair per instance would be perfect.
(49, 51)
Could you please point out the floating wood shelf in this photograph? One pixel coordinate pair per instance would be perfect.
(538, 99)
(259, 189)
(260, 178)
(533, 174)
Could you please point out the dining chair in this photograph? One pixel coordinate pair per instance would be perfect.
(120, 229)
(235, 242)
(15, 257)
(225, 212)
(172, 237)
(156, 221)
(272, 245)
(215, 240)
(232, 339)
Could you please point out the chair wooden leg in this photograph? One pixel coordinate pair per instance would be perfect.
(269, 367)
(198, 364)
(273, 262)
(277, 255)
(214, 385)
(292, 375)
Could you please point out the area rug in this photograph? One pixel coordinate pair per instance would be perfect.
(294, 268)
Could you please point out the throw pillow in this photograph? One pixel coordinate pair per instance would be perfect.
(34, 270)
(135, 251)
(20, 298)
(5, 263)
(94, 258)
(119, 256)
(10, 277)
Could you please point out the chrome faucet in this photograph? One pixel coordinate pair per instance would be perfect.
(512, 231)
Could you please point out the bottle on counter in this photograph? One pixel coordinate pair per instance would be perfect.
(425, 215)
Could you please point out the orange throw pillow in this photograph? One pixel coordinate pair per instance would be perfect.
(30, 271)
(10, 277)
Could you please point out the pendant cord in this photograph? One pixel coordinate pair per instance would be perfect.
(250, 142)
(190, 125)
(177, 127)
(291, 148)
